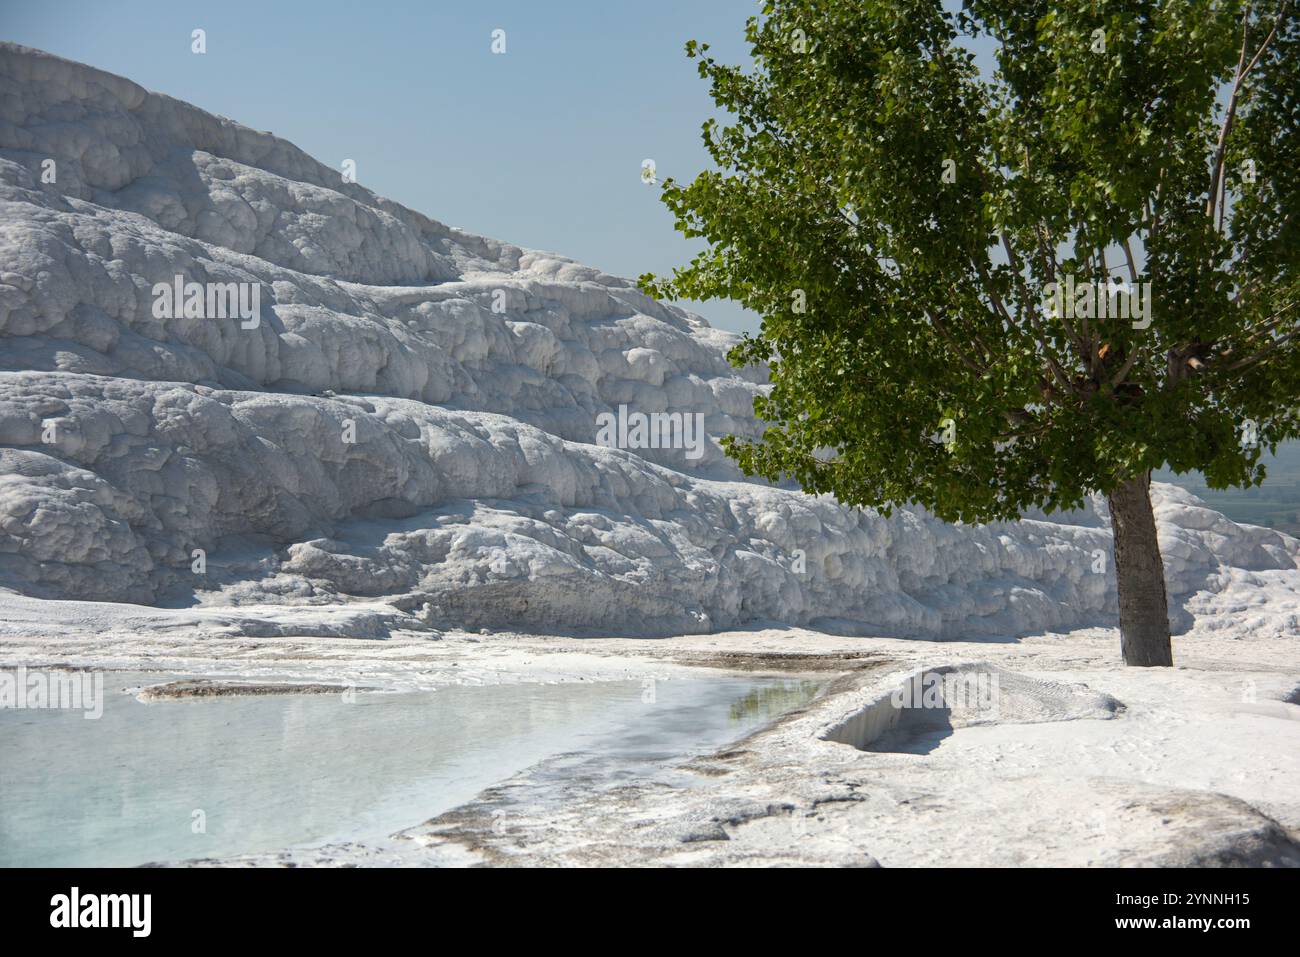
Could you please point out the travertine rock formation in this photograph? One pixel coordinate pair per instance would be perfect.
(413, 416)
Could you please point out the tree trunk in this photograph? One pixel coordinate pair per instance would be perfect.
(1140, 576)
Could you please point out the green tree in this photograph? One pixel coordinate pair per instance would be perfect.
(988, 290)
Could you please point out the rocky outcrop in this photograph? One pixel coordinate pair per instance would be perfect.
(414, 416)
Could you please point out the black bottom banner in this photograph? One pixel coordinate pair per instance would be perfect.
(335, 906)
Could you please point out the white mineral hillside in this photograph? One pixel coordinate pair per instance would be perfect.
(410, 418)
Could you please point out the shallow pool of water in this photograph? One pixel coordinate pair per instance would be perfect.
(177, 779)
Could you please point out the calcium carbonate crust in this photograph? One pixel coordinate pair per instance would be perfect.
(471, 375)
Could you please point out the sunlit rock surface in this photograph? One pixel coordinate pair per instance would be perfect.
(470, 373)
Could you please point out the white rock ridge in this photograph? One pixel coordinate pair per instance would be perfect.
(470, 374)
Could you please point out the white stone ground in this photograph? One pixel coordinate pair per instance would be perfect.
(1197, 764)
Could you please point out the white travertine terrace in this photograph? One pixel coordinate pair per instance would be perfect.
(475, 494)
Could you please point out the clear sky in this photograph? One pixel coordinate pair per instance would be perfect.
(541, 146)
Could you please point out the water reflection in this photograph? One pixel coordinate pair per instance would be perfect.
(772, 701)
(271, 771)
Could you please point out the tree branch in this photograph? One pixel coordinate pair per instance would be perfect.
(1243, 70)
(1132, 263)
(1262, 353)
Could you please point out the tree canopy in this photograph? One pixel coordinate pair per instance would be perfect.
(931, 242)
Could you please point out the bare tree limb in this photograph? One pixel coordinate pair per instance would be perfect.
(1124, 370)
(1243, 70)
(1132, 263)
(1262, 353)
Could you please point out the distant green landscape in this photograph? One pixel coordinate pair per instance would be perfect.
(1275, 504)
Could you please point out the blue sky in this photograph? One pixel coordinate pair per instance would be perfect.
(541, 146)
